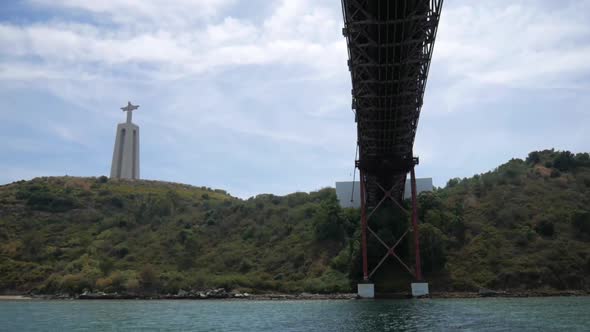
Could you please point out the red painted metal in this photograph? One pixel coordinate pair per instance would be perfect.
(415, 226)
(390, 252)
(390, 46)
(364, 227)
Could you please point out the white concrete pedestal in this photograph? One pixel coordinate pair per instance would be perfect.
(126, 153)
(366, 291)
(420, 289)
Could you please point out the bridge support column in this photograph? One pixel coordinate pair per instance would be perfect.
(366, 290)
(418, 266)
(364, 229)
(419, 288)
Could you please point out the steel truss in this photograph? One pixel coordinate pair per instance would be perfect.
(388, 195)
(390, 45)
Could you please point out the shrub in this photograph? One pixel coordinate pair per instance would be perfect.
(330, 281)
(583, 159)
(132, 285)
(453, 182)
(121, 250)
(524, 236)
(533, 158)
(75, 283)
(173, 281)
(104, 283)
(46, 201)
(148, 279)
(564, 161)
(342, 261)
(117, 202)
(296, 199)
(52, 284)
(118, 281)
(106, 265)
(581, 221)
(545, 228)
(329, 223)
(322, 195)
(432, 248)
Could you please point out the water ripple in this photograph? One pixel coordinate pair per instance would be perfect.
(531, 314)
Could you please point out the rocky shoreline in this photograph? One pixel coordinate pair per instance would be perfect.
(211, 294)
(222, 294)
(485, 293)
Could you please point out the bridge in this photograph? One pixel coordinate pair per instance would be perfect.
(390, 44)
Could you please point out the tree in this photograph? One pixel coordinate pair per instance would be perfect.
(533, 158)
(581, 221)
(432, 248)
(329, 224)
(51, 202)
(583, 159)
(429, 201)
(545, 227)
(564, 161)
(453, 182)
(32, 247)
(148, 279)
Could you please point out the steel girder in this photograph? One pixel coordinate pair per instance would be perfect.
(390, 46)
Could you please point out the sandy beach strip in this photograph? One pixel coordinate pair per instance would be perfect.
(14, 297)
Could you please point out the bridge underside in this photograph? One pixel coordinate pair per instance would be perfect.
(390, 46)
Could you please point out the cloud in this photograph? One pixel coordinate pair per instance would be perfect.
(144, 14)
(259, 100)
(522, 44)
(161, 51)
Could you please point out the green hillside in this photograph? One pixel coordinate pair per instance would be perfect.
(525, 225)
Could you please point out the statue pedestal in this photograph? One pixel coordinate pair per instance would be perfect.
(126, 152)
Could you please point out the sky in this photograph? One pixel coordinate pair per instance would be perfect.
(253, 96)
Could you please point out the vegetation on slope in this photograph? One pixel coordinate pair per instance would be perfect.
(525, 225)
(69, 234)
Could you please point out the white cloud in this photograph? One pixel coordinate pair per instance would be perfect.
(521, 44)
(294, 34)
(517, 45)
(231, 31)
(303, 20)
(272, 92)
(143, 13)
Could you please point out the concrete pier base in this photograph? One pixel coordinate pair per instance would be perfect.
(366, 291)
(420, 289)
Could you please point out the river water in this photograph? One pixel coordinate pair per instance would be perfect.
(489, 314)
